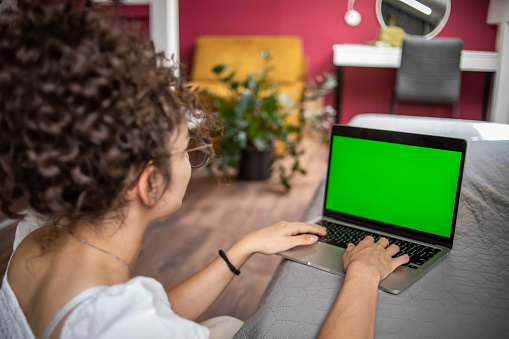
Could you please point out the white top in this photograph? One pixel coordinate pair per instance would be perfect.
(138, 308)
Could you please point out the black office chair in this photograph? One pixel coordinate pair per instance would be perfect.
(429, 72)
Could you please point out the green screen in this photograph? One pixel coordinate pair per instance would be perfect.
(408, 186)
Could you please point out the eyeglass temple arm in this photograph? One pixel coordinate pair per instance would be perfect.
(198, 148)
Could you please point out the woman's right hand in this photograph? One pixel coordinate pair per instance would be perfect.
(373, 258)
(353, 313)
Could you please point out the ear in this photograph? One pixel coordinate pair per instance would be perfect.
(143, 189)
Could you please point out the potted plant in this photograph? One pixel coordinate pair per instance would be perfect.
(318, 117)
(255, 132)
(320, 87)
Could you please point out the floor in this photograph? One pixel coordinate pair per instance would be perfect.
(215, 212)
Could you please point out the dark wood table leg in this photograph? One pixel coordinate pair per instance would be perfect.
(488, 82)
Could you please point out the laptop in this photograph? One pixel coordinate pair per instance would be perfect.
(402, 186)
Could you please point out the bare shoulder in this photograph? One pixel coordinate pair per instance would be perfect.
(28, 259)
(44, 278)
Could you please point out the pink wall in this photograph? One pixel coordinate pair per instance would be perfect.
(136, 16)
(320, 24)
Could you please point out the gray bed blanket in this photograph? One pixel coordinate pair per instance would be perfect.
(464, 296)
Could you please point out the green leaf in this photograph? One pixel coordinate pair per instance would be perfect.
(286, 100)
(259, 142)
(229, 77)
(251, 82)
(242, 139)
(296, 165)
(285, 183)
(271, 104)
(219, 68)
(242, 105)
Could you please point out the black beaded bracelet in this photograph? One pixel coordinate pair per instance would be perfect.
(230, 265)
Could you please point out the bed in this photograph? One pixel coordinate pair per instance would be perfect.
(464, 296)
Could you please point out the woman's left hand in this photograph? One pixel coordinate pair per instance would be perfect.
(283, 236)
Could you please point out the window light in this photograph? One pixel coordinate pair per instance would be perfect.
(418, 6)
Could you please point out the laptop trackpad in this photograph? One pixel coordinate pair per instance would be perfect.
(320, 255)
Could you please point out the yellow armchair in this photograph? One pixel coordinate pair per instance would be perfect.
(242, 54)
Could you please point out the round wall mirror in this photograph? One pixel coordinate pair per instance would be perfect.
(417, 17)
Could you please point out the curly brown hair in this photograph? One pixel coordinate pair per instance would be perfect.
(85, 104)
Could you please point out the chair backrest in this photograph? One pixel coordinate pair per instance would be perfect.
(429, 71)
(242, 54)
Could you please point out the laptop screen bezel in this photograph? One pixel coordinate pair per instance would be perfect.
(404, 138)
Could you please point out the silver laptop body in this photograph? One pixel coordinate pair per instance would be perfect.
(403, 186)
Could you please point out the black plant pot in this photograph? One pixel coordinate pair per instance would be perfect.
(255, 164)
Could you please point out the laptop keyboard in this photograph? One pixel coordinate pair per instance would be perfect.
(341, 236)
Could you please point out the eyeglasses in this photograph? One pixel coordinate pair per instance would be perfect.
(199, 150)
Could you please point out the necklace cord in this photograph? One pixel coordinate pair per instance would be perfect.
(104, 251)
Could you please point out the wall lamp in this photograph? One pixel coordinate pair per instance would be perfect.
(352, 17)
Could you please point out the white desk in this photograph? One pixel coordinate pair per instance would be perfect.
(390, 57)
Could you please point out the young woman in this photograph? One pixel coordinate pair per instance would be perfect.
(94, 137)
